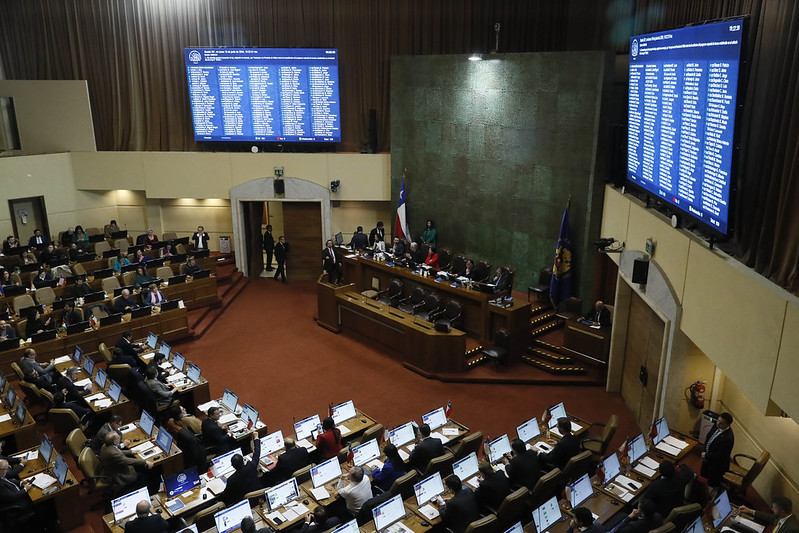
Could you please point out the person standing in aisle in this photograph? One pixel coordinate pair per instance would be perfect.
(269, 247)
(281, 255)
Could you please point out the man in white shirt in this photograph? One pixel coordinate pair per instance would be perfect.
(355, 488)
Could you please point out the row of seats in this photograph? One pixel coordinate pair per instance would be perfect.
(426, 305)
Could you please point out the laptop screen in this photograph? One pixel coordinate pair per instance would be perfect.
(230, 518)
(272, 443)
(662, 430)
(100, 378)
(46, 449)
(20, 413)
(164, 349)
(611, 466)
(230, 400)
(114, 391)
(466, 467)
(280, 495)
(581, 490)
(546, 515)
(303, 428)
(721, 509)
(60, 469)
(152, 340)
(529, 430)
(349, 527)
(402, 435)
(249, 414)
(146, 423)
(88, 365)
(515, 528)
(77, 355)
(428, 488)
(558, 411)
(220, 464)
(498, 447)
(181, 482)
(125, 506)
(637, 448)
(164, 440)
(11, 396)
(363, 453)
(326, 471)
(435, 419)
(178, 361)
(343, 411)
(389, 512)
(193, 373)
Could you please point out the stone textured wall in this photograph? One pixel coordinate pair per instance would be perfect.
(493, 150)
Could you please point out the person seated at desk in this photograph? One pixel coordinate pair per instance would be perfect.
(414, 255)
(128, 347)
(180, 419)
(460, 510)
(200, 239)
(28, 258)
(378, 234)
(292, 459)
(80, 237)
(75, 252)
(426, 449)
(28, 364)
(331, 262)
(71, 315)
(67, 381)
(501, 280)
(142, 278)
(318, 521)
(432, 259)
(120, 465)
(583, 521)
(783, 519)
(163, 394)
(154, 296)
(668, 491)
(150, 239)
(140, 258)
(5, 278)
(124, 303)
(112, 426)
(214, 434)
(247, 526)
(328, 443)
(42, 276)
(49, 254)
(60, 401)
(245, 477)
(35, 324)
(598, 316)
(566, 448)
(119, 262)
(6, 331)
(14, 494)
(66, 237)
(167, 251)
(393, 468)
(112, 227)
(468, 271)
(118, 357)
(355, 489)
(38, 239)
(523, 468)
(493, 488)
(10, 245)
(16, 464)
(191, 268)
(398, 248)
(147, 520)
(643, 518)
(359, 240)
(81, 288)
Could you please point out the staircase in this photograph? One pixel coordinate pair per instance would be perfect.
(546, 356)
(230, 283)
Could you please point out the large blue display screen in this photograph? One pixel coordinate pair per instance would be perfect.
(683, 88)
(264, 94)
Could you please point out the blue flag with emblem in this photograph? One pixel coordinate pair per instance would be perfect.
(560, 287)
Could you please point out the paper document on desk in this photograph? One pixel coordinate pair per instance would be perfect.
(227, 419)
(641, 469)
(673, 441)
(450, 432)
(344, 429)
(238, 426)
(207, 405)
(276, 517)
(540, 446)
(429, 512)
(83, 382)
(102, 404)
(216, 486)
(376, 463)
(650, 463)
(4, 418)
(96, 396)
(665, 447)
(402, 453)
(627, 483)
(174, 505)
(147, 356)
(305, 443)
(144, 446)
(43, 481)
(62, 359)
(165, 365)
(294, 510)
(320, 493)
(619, 491)
(28, 456)
(749, 523)
(575, 428)
(473, 482)
(439, 436)
(127, 429)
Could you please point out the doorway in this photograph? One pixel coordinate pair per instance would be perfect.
(27, 215)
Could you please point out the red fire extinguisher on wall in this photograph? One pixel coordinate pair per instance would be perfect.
(697, 394)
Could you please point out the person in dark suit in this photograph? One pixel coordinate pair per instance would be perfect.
(13, 493)
(783, 519)
(493, 488)
(501, 281)
(15, 464)
(398, 249)
(35, 324)
(281, 255)
(566, 448)
(288, 462)
(28, 365)
(124, 303)
(214, 434)
(269, 247)
(319, 521)
(718, 448)
(81, 288)
(331, 263)
(200, 239)
(191, 267)
(38, 239)
(359, 240)
(248, 526)
(146, 520)
(71, 316)
(10, 245)
(120, 465)
(598, 316)
(668, 491)
(426, 449)
(583, 522)
(126, 344)
(460, 510)
(523, 468)
(245, 478)
(377, 234)
(644, 518)
(6, 331)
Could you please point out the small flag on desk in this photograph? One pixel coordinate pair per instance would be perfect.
(350, 453)
(486, 447)
(448, 409)
(330, 409)
(386, 435)
(546, 416)
(61, 281)
(93, 321)
(250, 423)
(624, 449)
(653, 432)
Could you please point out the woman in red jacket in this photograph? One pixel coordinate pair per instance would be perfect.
(328, 443)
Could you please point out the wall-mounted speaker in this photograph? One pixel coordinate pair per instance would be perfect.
(280, 187)
(640, 271)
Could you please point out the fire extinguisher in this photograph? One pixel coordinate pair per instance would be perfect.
(697, 392)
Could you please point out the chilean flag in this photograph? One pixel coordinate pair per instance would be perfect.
(448, 409)
(401, 222)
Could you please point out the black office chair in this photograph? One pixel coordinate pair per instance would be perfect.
(451, 316)
(499, 352)
(429, 308)
(391, 296)
(541, 289)
(481, 271)
(409, 304)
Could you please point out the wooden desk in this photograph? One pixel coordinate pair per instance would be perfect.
(24, 435)
(420, 347)
(599, 504)
(171, 463)
(199, 393)
(412, 520)
(110, 525)
(297, 504)
(588, 341)
(66, 498)
(357, 425)
(659, 454)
